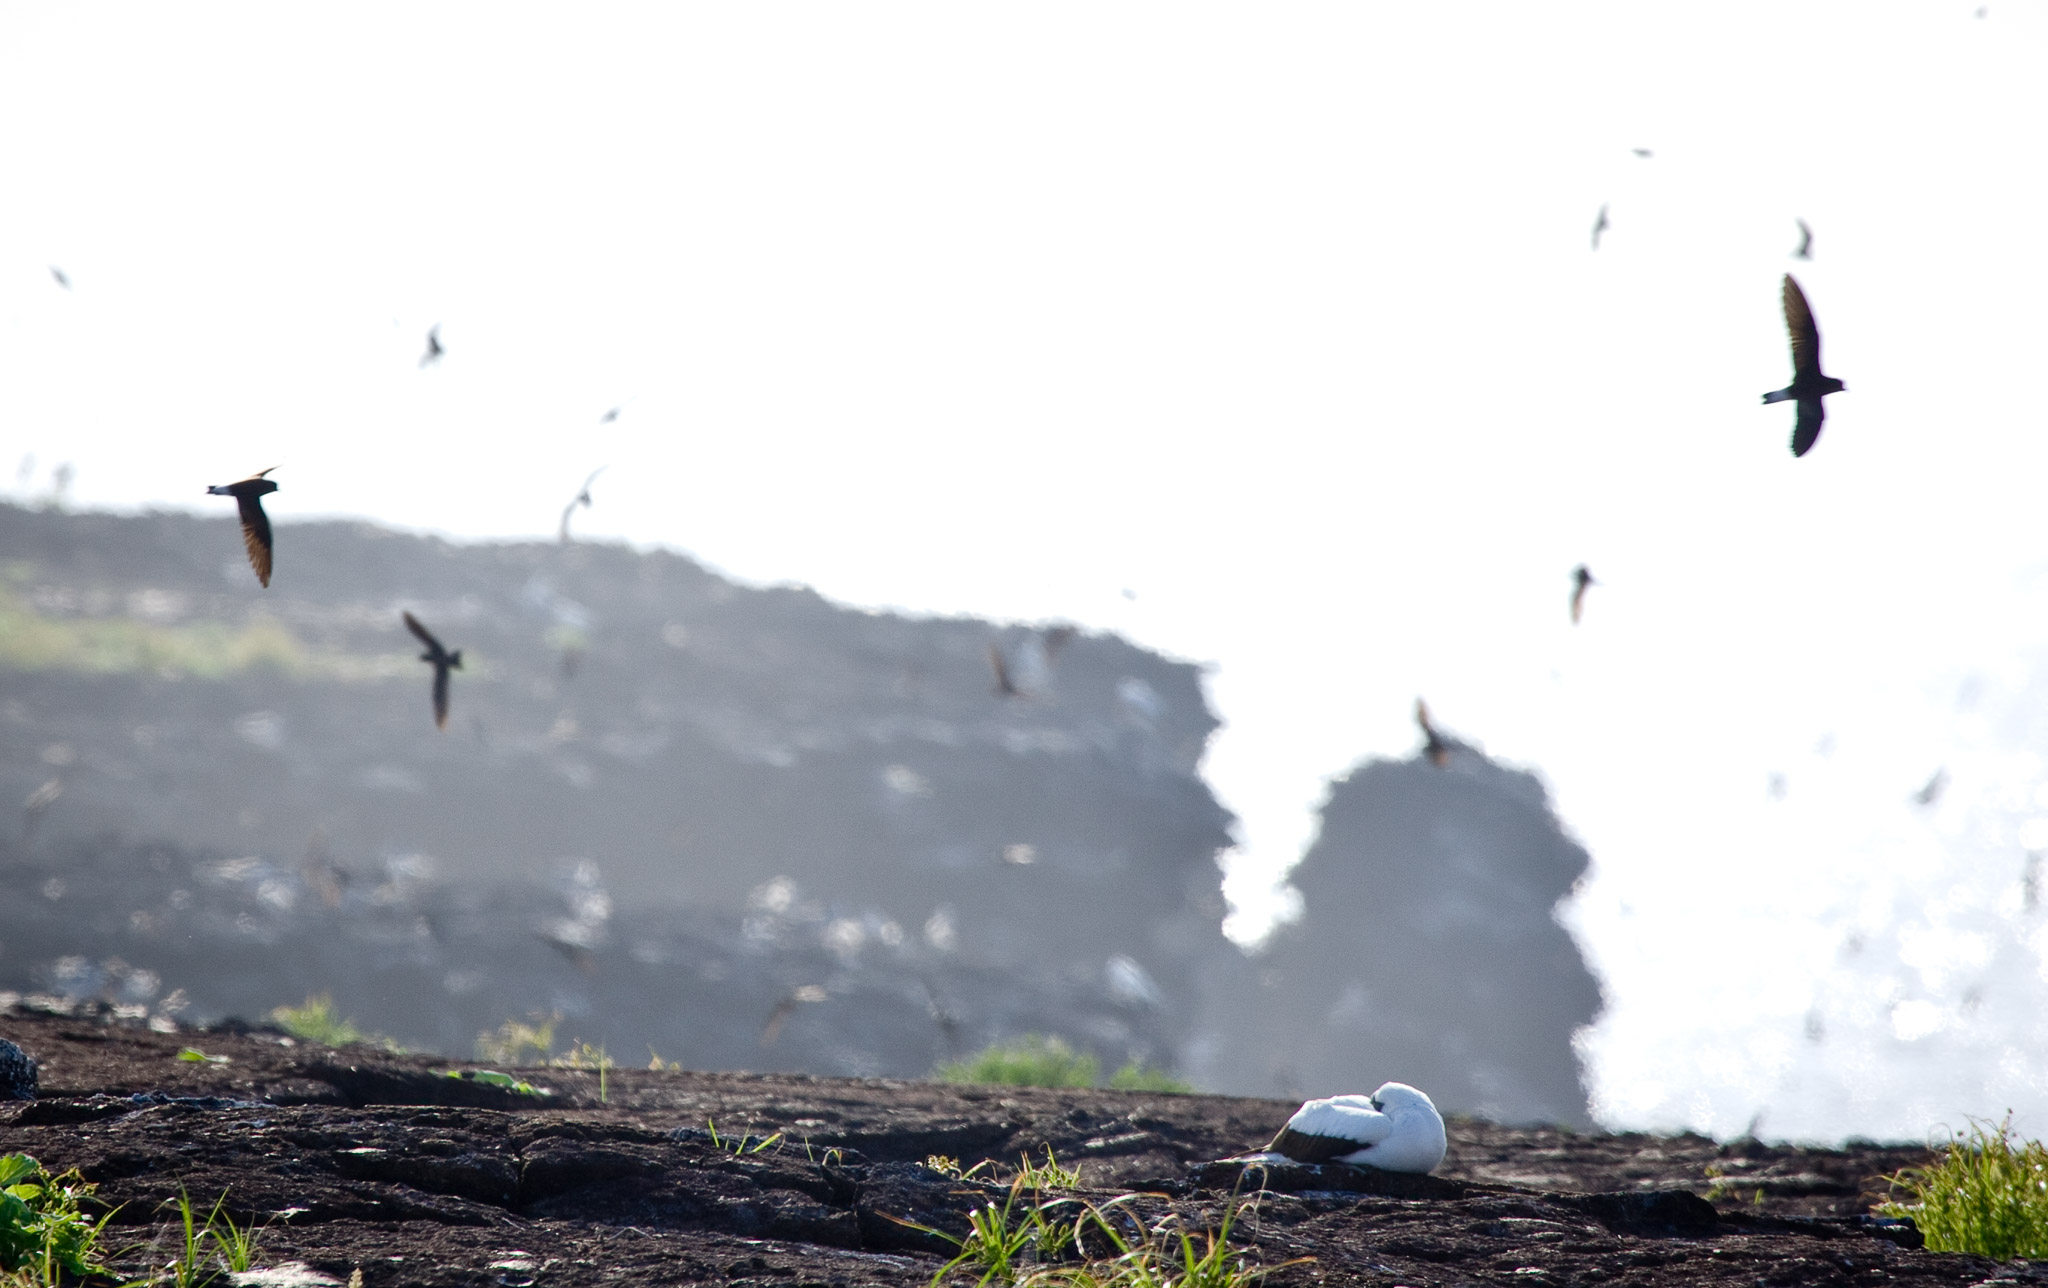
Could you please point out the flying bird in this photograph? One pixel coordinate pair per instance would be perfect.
(434, 349)
(1600, 225)
(582, 499)
(785, 1008)
(1644, 153)
(443, 662)
(610, 416)
(1005, 686)
(1808, 385)
(1582, 577)
(1435, 746)
(62, 280)
(1396, 1129)
(249, 494)
(1930, 794)
(1805, 248)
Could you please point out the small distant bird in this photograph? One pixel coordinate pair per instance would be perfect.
(2030, 882)
(1396, 1129)
(1434, 746)
(610, 416)
(582, 499)
(1057, 638)
(434, 349)
(1582, 577)
(249, 494)
(1005, 686)
(37, 805)
(443, 662)
(1930, 794)
(1644, 153)
(1808, 385)
(785, 1008)
(1600, 225)
(1805, 249)
(62, 280)
(574, 948)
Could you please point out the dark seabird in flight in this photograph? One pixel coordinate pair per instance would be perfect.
(1644, 153)
(1582, 577)
(1808, 385)
(1805, 250)
(610, 416)
(443, 662)
(1434, 746)
(582, 499)
(1600, 225)
(249, 494)
(434, 349)
(1005, 686)
(62, 280)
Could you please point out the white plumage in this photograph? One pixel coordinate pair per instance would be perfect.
(1396, 1129)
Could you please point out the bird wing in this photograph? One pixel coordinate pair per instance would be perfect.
(1805, 335)
(1001, 666)
(567, 510)
(440, 695)
(1422, 719)
(426, 636)
(1578, 600)
(1807, 431)
(1325, 1129)
(256, 534)
(776, 1019)
(1599, 226)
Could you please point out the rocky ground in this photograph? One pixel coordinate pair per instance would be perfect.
(360, 1159)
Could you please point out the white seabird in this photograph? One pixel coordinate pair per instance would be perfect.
(1395, 1129)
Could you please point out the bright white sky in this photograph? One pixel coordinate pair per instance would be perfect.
(1282, 316)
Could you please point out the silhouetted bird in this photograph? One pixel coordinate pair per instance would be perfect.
(1600, 225)
(249, 494)
(1434, 745)
(610, 416)
(1808, 385)
(1931, 793)
(1644, 153)
(1005, 686)
(1057, 638)
(1805, 249)
(443, 662)
(1582, 577)
(785, 1008)
(582, 499)
(434, 349)
(62, 280)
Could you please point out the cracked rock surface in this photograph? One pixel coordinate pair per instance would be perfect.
(361, 1159)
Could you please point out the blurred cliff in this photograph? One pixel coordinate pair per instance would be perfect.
(666, 806)
(1428, 952)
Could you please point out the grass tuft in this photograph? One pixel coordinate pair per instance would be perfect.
(1033, 1060)
(518, 1042)
(1036, 1060)
(315, 1021)
(1987, 1193)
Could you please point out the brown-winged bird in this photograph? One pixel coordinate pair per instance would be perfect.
(1005, 686)
(443, 662)
(1805, 248)
(1434, 745)
(1808, 385)
(434, 349)
(249, 494)
(1582, 577)
(582, 499)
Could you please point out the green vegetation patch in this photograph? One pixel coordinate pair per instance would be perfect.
(316, 1021)
(116, 645)
(45, 1233)
(1987, 1193)
(1036, 1060)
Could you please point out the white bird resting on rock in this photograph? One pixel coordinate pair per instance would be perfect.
(1395, 1129)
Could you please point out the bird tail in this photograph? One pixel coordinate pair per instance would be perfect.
(1778, 395)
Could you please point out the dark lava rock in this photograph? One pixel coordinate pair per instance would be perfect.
(671, 1178)
(17, 1073)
